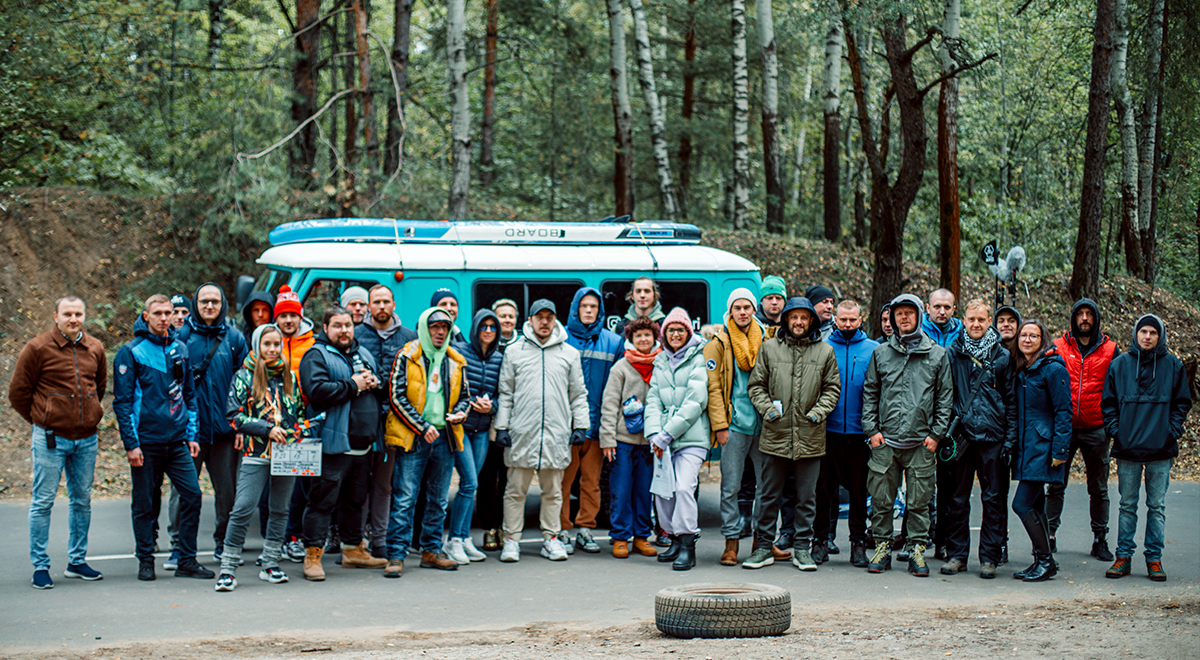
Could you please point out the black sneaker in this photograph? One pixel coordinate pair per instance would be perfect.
(905, 553)
(820, 554)
(784, 542)
(41, 579)
(881, 559)
(146, 571)
(832, 547)
(190, 568)
(1100, 549)
(858, 555)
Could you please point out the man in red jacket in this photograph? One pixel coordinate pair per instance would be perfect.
(57, 386)
(1087, 353)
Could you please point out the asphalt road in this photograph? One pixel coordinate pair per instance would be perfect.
(591, 590)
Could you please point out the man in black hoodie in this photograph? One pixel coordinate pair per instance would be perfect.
(1145, 401)
(258, 310)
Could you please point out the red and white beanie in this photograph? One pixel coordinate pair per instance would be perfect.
(287, 302)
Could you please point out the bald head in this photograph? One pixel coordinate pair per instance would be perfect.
(940, 306)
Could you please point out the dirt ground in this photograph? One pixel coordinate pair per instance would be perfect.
(1079, 630)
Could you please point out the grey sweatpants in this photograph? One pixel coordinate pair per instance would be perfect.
(738, 449)
(252, 477)
(773, 473)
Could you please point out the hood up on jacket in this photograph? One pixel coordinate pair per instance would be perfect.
(476, 342)
(814, 330)
(198, 325)
(558, 335)
(574, 325)
(257, 296)
(1095, 334)
(1149, 319)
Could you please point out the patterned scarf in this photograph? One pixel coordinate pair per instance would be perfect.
(746, 346)
(643, 362)
(274, 369)
(979, 348)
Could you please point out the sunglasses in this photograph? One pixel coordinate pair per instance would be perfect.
(487, 328)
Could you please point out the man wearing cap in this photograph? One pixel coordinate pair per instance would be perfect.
(297, 330)
(181, 308)
(445, 299)
(1006, 320)
(429, 401)
(1145, 402)
(939, 323)
(542, 410)
(908, 395)
(1087, 353)
(772, 296)
(736, 425)
(354, 299)
(822, 301)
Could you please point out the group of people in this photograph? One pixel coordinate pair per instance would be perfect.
(799, 400)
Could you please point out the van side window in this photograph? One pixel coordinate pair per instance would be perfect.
(325, 293)
(271, 280)
(560, 292)
(691, 295)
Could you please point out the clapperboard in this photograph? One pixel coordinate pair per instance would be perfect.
(296, 459)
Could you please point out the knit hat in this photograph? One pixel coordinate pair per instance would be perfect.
(740, 293)
(677, 315)
(773, 285)
(440, 295)
(816, 293)
(180, 300)
(288, 302)
(354, 293)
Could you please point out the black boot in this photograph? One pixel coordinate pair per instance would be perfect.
(672, 552)
(686, 557)
(858, 555)
(1038, 528)
(1100, 548)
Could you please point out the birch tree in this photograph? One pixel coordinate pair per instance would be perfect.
(1127, 132)
(949, 252)
(741, 120)
(772, 150)
(1148, 140)
(622, 115)
(460, 109)
(798, 167)
(831, 84)
(658, 137)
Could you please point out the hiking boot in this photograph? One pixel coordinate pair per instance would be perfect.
(438, 560)
(905, 553)
(553, 549)
(620, 549)
(355, 556)
(226, 582)
(987, 570)
(41, 579)
(294, 551)
(585, 542)
(780, 554)
(819, 553)
(672, 552)
(190, 568)
(491, 539)
(1100, 549)
(916, 561)
(273, 575)
(832, 547)
(565, 540)
(956, 566)
(643, 547)
(471, 551)
(759, 558)
(511, 551)
(729, 557)
(1121, 567)
(454, 550)
(83, 572)
(804, 561)
(881, 559)
(858, 555)
(146, 571)
(312, 564)
(1155, 572)
(395, 568)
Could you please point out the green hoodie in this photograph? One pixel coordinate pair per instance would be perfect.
(435, 399)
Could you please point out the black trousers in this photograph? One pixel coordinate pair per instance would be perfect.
(844, 466)
(1094, 445)
(982, 459)
(325, 500)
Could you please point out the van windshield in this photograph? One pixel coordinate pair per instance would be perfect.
(271, 280)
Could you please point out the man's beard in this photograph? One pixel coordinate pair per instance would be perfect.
(381, 317)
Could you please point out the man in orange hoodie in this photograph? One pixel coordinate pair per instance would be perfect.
(297, 330)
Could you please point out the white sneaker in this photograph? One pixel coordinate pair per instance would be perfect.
(567, 544)
(553, 550)
(511, 550)
(454, 550)
(471, 551)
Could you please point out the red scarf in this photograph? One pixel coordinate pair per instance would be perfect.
(643, 362)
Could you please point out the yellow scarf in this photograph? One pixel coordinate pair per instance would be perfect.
(745, 346)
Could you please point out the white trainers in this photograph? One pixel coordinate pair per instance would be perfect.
(471, 551)
(567, 544)
(553, 549)
(511, 550)
(454, 550)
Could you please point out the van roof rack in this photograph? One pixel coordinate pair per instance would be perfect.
(391, 230)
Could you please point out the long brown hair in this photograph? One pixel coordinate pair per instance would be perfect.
(1019, 359)
(261, 377)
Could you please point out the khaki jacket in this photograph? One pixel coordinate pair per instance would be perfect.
(719, 360)
(803, 375)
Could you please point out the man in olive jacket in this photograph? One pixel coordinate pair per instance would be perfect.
(907, 400)
(794, 385)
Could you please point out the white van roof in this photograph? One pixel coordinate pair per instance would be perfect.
(385, 256)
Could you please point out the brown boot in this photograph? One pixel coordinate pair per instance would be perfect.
(312, 564)
(438, 560)
(355, 556)
(729, 557)
(394, 568)
(620, 549)
(780, 555)
(643, 547)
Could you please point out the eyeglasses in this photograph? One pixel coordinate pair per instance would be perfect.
(1031, 337)
(677, 331)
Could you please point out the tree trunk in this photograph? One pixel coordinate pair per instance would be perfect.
(1085, 280)
(622, 115)
(949, 253)
(772, 150)
(487, 163)
(1127, 131)
(654, 112)
(831, 83)
(689, 102)
(460, 109)
(797, 170)
(370, 141)
(216, 29)
(393, 153)
(303, 152)
(349, 198)
(741, 119)
(1156, 35)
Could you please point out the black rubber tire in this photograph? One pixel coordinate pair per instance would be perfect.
(717, 610)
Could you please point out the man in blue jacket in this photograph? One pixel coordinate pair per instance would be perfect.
(217, 350)
(599, 349)
(939, 323)
(155, 405)
(846, 450)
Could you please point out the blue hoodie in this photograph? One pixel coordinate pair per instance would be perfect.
(943, 337)
(212, 391)
(599, 350)
(152, 382)
(853, 357)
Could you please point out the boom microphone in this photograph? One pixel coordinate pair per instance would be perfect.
(1015, 261)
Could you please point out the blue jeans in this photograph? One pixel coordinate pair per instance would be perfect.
(437, 458)
(629, 482)
(78, 459)
(1129, 483)
(467, 462)
(173, 460)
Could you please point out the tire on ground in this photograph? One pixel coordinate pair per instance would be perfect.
(737, 609)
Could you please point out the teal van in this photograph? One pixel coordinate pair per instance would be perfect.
(481, 262)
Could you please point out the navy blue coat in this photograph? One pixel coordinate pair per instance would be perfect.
(212, 391)
(483, 370)
(1044, 412)
(383, 350)
(152, 384)
(993, 413)
(599, 350)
